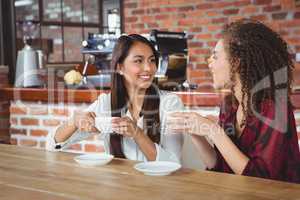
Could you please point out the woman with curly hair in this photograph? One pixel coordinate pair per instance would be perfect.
(256, 134)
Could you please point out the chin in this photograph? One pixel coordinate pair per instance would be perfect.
(144, 85)
(219, 86)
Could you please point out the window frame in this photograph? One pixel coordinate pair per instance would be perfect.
(62, 24)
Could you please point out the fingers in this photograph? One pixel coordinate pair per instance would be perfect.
(177, 127)
(212, 118)
(92, 115)
(85, 121)
(187, 122)
(124, 126)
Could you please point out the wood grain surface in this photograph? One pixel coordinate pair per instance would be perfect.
(27, 173)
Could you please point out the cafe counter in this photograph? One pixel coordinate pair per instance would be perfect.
(35, 112)
(189, 98)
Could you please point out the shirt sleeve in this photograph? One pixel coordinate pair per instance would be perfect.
(270, 152)
(268, 155)
(52, 145)
(170, 146)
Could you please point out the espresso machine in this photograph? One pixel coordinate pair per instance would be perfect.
(98, 51)
(173, 58)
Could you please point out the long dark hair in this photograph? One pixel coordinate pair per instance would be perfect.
(257, 53)
(120, 98)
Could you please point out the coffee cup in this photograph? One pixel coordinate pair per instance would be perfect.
(103, 124)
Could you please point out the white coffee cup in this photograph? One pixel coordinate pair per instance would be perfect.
(103, 124)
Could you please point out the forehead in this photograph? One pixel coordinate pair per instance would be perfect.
(139, 48)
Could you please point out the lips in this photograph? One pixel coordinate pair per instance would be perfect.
(145, 77)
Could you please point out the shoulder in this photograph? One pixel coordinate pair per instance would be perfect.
(102, 103)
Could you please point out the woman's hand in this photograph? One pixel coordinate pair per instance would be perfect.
(125, 126)
(85, 121)
(192, 123)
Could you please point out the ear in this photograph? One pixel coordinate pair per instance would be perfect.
(119, 69)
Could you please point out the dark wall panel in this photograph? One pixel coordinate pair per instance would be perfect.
(9, 36)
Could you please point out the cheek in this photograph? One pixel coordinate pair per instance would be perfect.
(132, 71)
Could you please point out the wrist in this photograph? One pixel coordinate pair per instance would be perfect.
(216, 134)
(72, 124)
(138, 133)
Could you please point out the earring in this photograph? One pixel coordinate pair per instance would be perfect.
(121, 73)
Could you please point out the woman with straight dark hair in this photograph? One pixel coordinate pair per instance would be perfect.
(137, 109)
(256, 134)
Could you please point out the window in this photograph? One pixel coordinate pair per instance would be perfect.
(59, 26)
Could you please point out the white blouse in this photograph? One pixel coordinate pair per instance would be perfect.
(170, 145)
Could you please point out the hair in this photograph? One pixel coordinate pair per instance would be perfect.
(257, 53)
(120, 98)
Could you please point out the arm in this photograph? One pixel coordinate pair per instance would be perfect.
(233, 156)
(77, 128)
(145, 144)
(81, 121)
(126, 127)
(205, 150)
(198, 126)
(71, 132)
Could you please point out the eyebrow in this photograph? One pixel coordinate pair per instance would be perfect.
(140, 56)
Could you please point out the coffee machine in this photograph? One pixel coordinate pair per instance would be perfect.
(98, 51)
(173, 58)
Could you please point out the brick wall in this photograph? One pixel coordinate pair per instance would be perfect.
(203, 19)
(31, 122)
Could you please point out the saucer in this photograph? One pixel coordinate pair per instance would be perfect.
(93, 159)
(157, 168)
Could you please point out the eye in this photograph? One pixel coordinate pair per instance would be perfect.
(138, 61)
(213, 55)
(153, 60)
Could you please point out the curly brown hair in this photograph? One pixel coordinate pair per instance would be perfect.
(259, 56)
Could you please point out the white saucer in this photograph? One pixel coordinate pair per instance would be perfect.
(157, 168)
(93, 159)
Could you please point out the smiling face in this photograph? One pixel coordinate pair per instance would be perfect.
(139, 67)
(220, 67)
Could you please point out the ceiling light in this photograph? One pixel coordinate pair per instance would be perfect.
(23, 3)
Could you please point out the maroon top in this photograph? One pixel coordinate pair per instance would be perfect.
(269, 140)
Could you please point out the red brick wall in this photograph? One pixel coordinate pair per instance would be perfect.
(203, 19)
(30, 123)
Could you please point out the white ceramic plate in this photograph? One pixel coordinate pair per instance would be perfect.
(94, 159)
(157, 168)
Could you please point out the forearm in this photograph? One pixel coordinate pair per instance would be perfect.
(146, 145)
(206, 151)
(233, 156)
(65, 131)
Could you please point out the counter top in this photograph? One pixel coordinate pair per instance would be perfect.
(37, 174)
(189, 98)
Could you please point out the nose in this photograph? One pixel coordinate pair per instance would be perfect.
(148, 66)
(209, 61)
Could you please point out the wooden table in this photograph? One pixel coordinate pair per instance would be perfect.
(27, 173)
